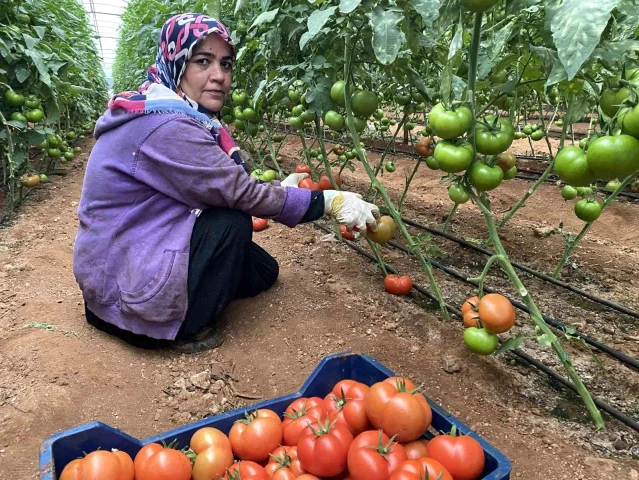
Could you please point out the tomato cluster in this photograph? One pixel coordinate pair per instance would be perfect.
(355, 432)
(483, 319)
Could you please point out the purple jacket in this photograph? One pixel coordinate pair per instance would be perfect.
(144, 176)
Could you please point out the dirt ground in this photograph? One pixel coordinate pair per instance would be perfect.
(327, 300)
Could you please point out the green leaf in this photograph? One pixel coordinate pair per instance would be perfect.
(428, 9)
(38, 61)
(387, 37)
(33, 137)
(580, 107)
(265, 17)
(30, 41)
(19, 158)
(318, 19)
(347, 6)
(558, 74)
(40, 31)
(17, 124)
(22, 72)
(321, 96)
(239, 5)
(546, 340)
(511, 344)
(446, 80)
(548, 56)
(458, 41)
(615, 52)
(577, 27)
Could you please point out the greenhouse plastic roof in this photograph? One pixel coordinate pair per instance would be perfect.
(104, 17)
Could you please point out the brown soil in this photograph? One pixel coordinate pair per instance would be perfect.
(68, 374)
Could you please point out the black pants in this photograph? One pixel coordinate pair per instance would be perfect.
(224, 264)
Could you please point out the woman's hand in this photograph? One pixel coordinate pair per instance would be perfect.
(294, 179)
(349, 209)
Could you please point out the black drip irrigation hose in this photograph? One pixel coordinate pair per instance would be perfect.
(612, 411)
(617, 355)
(542, 276)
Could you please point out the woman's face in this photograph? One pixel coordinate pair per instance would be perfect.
(207, 78)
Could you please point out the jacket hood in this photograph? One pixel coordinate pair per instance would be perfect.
(112, 119)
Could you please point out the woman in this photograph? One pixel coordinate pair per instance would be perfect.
(164, 242)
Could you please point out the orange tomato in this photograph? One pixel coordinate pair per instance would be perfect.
(415, 449)
(496, 313)
(257, 435)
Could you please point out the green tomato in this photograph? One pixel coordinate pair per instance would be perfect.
(297, 110)
(519, 135)
(18, 117)
(360, 124)
(510, 173)
(268, 176)
(379, 114)
(588, 210)
(54, 153)
(13, 99)
(410, 126)
(239, 97)
(402, 99)
(572, 167)
(342, 158)
(53, 141)
(238, 113)
(612, 98)
(390, 166)
(69, 155)
(240, 125)
(499, 77)
(249, 114)
(334, 120)
(417, 97)
(257, 173)
(43, 178)
(393, 122)
(70, 135)
(612, 185)
(537, 135)
(350, 154)
(559, 123)
(24, 18)
(337, 93)
(452, 158)
(313, 153)
(77, 149)
(569, 192)
(431, 162)
(449, 124)
(491, 140)
(613, 156)
(583, 143)
(32, 102)
(385, 121)
(294, 95)
(584, 191)
(364, 103)
(458, 194)
(528, 129)
(480, 341)
(296, 123)
(384, 128)
(228, 119)
(307, 116)
(484, 177)
(629, 118)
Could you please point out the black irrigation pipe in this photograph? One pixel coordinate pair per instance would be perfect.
(612, 411)
(542, 276)
(622, 357)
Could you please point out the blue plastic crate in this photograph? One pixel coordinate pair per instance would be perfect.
(59, 449)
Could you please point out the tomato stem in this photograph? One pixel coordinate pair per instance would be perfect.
(482, 278)
(450, 217)
(327, 165)
(348, 58)
(409, 180)
(571, 245)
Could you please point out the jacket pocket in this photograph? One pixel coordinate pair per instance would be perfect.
(165, 297)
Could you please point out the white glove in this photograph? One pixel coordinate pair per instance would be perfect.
(294, 179)
(349, 209)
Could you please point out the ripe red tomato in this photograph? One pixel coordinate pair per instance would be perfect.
(308, 476)
(374, 456)
(496, 313)
(298, 415)
(214, 453)
(102, 464)
(325, 182)
(309, 184)
(471, 319)
(346, 235)
(284, 464)
(257, 435)
(396, 407)
(415, 449)
(398, 285)
(471, 303)
(303, 169)
(462, 456)
(346, 404)
(259, 224)
(423, 147)
(323, 448)
(245, 470)
(154, 462)
(421, 469)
